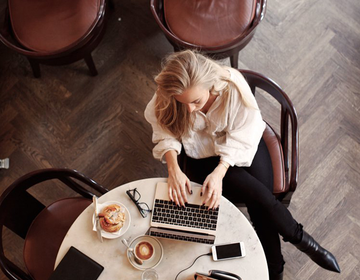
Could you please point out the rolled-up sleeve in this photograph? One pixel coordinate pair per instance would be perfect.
(244, 130)
(239, 145)
(164, 140)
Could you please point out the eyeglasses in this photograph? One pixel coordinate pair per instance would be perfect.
(141, 206)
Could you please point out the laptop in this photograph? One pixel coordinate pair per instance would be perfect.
(194, 223)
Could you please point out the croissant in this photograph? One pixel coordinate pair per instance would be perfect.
(112, 218)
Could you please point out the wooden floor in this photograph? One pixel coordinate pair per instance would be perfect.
(96, 125)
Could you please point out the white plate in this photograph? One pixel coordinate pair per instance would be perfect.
(154, 262)
(112, 235)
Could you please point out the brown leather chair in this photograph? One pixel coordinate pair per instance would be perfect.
(42, 227)
(283, 145)
(218, 28)
(54, 32)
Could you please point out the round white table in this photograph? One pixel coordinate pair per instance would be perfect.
(232, 226)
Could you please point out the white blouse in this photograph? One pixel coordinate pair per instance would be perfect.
(233, 134)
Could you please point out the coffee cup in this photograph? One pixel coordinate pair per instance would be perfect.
(144, 250)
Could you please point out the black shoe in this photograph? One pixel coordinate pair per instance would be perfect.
(276, 276)
(317, 253)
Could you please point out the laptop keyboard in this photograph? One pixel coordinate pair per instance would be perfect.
(195, 216)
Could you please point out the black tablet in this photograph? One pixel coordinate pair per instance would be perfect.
(76, 266)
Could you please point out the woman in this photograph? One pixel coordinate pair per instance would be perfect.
(207, 113)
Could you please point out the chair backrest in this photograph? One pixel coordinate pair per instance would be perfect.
(8, 38)
(289, 139)
(81, 28)
(18, 208)
(216, 51)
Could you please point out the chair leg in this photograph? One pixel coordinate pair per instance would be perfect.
(90, 63)
(234, 60)
(35, 66)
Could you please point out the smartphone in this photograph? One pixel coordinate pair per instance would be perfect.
(228, 251)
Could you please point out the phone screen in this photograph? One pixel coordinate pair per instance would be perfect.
(228, 251)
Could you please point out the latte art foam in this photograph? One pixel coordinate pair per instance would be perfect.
(144, 250)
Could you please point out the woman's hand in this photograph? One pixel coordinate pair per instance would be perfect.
(212, 186)
(178, 182)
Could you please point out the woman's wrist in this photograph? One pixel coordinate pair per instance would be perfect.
(171, 160)
(222, 168)
(225, 164)
(173, 169)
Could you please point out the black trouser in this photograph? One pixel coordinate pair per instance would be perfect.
(253, 186)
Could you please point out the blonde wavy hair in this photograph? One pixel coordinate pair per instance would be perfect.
(181, 71)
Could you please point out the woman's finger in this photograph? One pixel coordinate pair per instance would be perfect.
(214, 199)
(170, 191)
(203, 187)
(179, 193)
(218, 202)
(208, 195)
(176, 199)
(188, 186)
(183, 196)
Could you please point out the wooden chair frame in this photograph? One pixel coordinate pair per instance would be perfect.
(24, 201)
(227, 50)
(81, 49)
(288, 118)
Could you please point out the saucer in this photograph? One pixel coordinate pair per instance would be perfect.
(112, 235)
(159, 252)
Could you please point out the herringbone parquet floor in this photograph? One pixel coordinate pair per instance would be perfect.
(95, 124)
